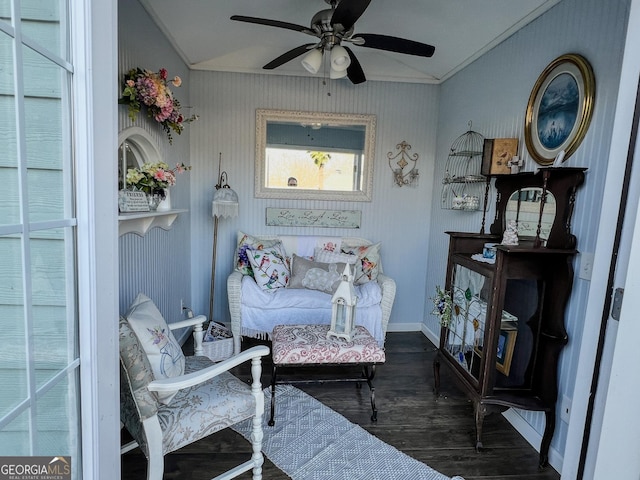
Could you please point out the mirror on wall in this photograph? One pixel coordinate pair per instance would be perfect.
(524, 207)
(135, 147)
(312, 155)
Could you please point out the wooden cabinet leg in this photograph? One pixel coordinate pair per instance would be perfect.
(549, 428)
(436, 374)
(480, 411)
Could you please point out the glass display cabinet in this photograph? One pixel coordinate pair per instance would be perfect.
(506, 328)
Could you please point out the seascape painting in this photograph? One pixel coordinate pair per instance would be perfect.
(558, 111)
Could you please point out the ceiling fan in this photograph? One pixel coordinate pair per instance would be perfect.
(333, 26)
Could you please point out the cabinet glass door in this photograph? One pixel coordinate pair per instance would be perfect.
(465, 333)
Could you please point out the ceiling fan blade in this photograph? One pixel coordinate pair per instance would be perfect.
(347, 12)
(393, 44)
(288, 56)
(354, 70)
(274, 23)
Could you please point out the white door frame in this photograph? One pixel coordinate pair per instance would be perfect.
(616, 449)
(95, 92)
(607, 452)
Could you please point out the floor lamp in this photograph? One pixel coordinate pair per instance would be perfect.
(225, 204)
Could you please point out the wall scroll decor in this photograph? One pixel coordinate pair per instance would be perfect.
(300, 217)
(560, 108)
(401, 176)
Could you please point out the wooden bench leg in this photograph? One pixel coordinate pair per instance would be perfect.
(369, 377)
(273, 396)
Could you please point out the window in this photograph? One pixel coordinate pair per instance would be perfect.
(40, 371)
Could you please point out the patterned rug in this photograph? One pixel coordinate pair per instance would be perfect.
(312, 442)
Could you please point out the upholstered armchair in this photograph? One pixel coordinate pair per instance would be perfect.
(163, 415)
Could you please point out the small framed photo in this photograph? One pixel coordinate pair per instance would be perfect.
(506, 344)
(497, 154)
(559, 109)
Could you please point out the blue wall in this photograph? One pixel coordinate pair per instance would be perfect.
(493, 93)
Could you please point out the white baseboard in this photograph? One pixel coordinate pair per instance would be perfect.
(404, 327)
(533, 437)
(413, 327)
(430, 335)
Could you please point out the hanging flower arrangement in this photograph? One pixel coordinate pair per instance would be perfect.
(442, 306)
(144, 88)
(154, 178)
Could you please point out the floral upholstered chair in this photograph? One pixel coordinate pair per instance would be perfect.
(163, 415)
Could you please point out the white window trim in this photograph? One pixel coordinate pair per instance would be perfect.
(95, 92)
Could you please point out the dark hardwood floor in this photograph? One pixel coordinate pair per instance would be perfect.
(438, 431)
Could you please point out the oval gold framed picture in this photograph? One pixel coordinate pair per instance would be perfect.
(559, 109)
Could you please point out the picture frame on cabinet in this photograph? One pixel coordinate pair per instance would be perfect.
(497, 154)
(559, 109)
(506, 345)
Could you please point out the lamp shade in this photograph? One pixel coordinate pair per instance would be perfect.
(225, 203)
(312, 60)
(340, 59)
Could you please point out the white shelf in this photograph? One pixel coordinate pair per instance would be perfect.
(141, 222)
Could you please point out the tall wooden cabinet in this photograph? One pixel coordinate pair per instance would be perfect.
(507, 329)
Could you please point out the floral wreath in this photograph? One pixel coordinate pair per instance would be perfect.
(144, 88)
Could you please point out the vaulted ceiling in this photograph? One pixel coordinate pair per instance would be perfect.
(460, 30)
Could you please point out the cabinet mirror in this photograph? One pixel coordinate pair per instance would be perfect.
(315, 156)
(520, 197)
(523, 207)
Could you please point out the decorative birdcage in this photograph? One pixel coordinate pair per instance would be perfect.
(463, 186)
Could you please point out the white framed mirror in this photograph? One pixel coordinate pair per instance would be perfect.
(314, 155)
(135, 147)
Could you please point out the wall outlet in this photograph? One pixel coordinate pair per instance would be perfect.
(586, 265)
(565, 409)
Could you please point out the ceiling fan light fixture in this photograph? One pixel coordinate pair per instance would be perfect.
(340, 59)
(312, 61)
(336, 74)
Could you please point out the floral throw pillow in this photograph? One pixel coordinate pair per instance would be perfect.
(326, 256)
(162, 349)
(367, 263)
(313, 275)
(270, 267)
(246, 242)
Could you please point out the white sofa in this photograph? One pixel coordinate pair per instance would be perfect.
(254, 311)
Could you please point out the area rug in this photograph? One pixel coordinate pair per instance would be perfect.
(311, 442)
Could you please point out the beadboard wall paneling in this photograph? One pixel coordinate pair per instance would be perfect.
(159, 263)
(493, 93)
(396, 217)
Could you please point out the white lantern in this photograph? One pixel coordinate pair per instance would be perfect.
(343, 313)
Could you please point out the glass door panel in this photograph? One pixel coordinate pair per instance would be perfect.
(518, 337)
(465, 333)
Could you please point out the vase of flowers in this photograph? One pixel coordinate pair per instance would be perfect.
(150, 90)
(154, 179)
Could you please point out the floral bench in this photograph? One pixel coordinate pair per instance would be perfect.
(308, 345)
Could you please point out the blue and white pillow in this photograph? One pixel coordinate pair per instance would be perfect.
(162, 349)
